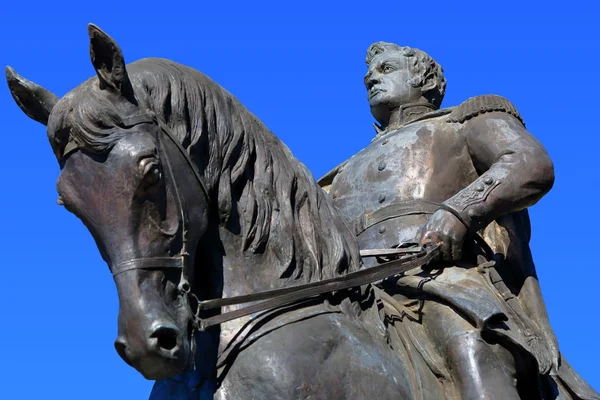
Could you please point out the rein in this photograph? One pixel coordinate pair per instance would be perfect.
(408, 259)
(279, 297)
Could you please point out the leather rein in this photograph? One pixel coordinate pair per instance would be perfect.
(407, 258)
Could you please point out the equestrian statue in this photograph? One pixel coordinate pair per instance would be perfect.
(405, 273)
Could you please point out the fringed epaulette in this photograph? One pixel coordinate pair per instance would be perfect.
(483, 104)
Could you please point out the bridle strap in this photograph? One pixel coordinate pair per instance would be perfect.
(148, 263)
(143, 118)
(183, 152)
(179, 261)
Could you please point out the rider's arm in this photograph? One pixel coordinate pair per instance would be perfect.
(514, 169)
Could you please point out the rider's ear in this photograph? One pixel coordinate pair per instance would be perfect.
(433, 89)
(428, 85)
(109, 63)
(34, 100)
(430, 82)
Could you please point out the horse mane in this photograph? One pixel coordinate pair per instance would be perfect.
(288, 215)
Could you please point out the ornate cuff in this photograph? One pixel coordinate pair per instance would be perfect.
(468, 205)
(455, 213)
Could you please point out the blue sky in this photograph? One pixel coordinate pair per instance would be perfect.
(299, 67)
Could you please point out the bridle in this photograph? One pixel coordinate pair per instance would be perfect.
(406, 258)
(182, 260)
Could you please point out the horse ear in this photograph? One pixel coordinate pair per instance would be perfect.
(109, 63)
(34, 100)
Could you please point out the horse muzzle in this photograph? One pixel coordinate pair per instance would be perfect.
(154, 319)
(163, 353)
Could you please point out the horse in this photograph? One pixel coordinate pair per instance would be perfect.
(190, 197)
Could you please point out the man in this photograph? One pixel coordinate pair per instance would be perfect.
(474, 320)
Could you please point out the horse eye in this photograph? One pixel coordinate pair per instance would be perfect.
(152, 175)
(151, 172)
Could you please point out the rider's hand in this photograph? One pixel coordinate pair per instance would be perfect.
(445, 229)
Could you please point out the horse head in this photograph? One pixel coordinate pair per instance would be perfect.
(128, 183)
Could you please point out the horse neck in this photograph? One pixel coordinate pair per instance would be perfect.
(270, 216)
(225, 267)
(249, 265)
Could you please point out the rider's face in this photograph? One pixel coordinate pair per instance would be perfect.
(388, 84)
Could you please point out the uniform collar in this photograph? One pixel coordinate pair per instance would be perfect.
(410, 113)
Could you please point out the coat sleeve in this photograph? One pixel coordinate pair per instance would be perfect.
(514, 169)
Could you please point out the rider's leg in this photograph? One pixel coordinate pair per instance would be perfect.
(480, 370)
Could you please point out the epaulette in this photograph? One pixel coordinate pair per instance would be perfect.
(483, 104)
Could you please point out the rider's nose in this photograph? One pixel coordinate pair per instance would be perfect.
(371, 80)
(165, 338)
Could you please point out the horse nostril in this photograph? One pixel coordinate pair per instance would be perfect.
(166, 337)
(121, 348)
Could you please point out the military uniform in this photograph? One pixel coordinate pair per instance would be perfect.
(479, 163)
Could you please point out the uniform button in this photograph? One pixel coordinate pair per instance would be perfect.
(479, 188)
(336, 194)
(381, 166)
(487, 180)
(381, 198)
(382, 229)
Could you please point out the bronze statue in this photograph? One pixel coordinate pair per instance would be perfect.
(461, 177)
(198, 209)
(194, 204)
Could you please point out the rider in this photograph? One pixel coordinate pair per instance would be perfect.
(443, 177)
